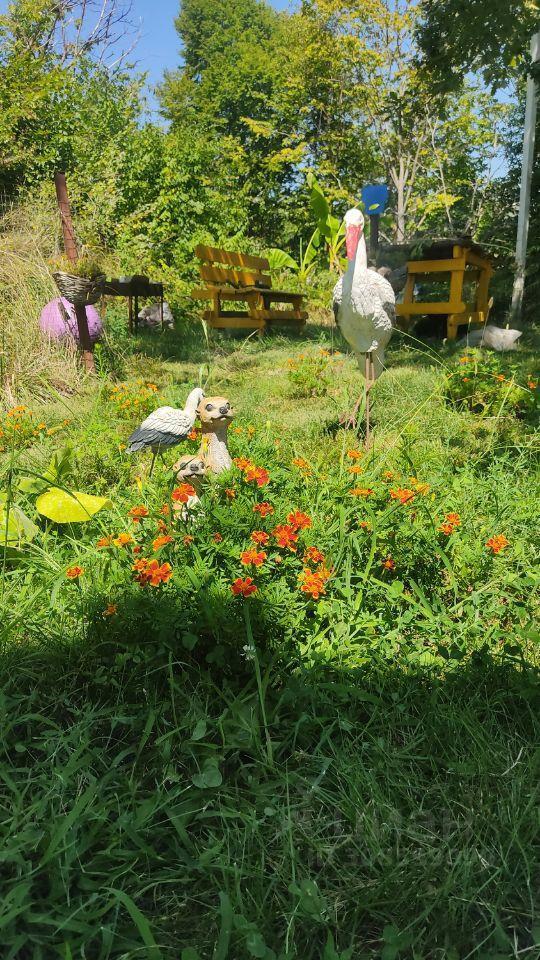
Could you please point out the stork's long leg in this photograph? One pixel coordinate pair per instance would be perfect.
(369, 381)
(154, 455)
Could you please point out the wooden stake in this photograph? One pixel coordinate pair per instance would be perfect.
(70, 246)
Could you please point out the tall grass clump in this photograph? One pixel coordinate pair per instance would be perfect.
(30, 362)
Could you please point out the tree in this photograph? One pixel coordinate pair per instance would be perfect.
(406, 130)
(491, 37)
(55, 76)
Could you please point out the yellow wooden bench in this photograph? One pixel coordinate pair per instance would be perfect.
(463, 264)
(233, 278)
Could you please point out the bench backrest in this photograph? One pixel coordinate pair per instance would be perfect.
(225, 268)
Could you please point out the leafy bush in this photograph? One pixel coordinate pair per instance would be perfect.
(310, 374)
(488, 384)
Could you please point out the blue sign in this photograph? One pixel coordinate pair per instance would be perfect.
(375, 198)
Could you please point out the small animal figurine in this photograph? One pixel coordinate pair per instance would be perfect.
(165, 427)
(215, 414)
(190, 469)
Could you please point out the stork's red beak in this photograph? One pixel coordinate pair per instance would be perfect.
(352, 235)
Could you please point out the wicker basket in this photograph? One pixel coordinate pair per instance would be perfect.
(79, 290)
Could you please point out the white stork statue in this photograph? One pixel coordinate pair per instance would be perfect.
(165, 427)
(364, 307)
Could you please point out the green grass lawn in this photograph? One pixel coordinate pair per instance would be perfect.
(189, 774)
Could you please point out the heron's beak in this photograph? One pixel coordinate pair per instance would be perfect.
(353, 232)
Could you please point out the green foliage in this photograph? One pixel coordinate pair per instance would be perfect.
(310, 374)
(16, 528)
(494, 36)
(490, 386)
(87, 267)
(314, 744)
(62, 506)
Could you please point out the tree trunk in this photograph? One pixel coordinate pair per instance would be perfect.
(400, 209)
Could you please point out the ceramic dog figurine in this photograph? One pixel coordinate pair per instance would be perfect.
(215, 414)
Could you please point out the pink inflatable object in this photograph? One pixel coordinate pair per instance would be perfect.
(57, 324)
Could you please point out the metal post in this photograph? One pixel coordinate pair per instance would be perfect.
(70, 246)
(525, 189)
(374, 219)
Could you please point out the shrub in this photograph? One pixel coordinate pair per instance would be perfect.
(486, 384)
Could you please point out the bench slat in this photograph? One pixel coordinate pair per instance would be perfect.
(218, 255)
(243, 278)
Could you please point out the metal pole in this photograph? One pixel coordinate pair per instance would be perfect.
(70, 246)
(525, 189)
(374, 219)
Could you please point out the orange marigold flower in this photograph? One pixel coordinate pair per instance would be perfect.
(364, 524)
(531, 384)
(313, 555)
(258, 474)
(454, 519)
(136, 513)
(301, 463)
(465, 379)
(299, 520)
(160, 542)
(151, 572)
(110, 610)
(104, 542)
(312, 582)
(251, 431)
(123, 539)
(355, 470)
(422, 488)
(162, 526)
(465, 359)
(242, 463)
(263, 509)
(389, 563)
(165, 510)
(447, 528)
(260, 537)
(217, 538)
(243, 587)
(355, 454)
(388, 474)
(73, 573)
(403, 494)
(230, 492)
(498, 543)
(188, 540)
(500, 376)
(194, 434)
(361, 491)
(137, 549)
(161, 575)
(253, 558)
(286, 536)
(182, 493)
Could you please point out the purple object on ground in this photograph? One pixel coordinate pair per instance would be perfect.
(58, 323)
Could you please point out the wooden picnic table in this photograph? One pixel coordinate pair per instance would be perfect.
(463, 262)
(135, 288)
